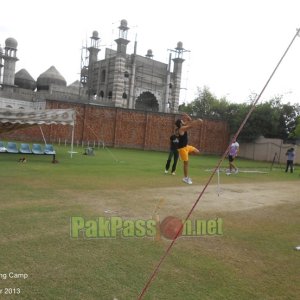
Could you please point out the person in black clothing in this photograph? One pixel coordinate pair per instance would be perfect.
(173, 153)
(184, 149)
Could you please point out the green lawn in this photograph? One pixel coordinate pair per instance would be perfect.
(253, 259)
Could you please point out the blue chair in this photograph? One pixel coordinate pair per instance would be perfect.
(37, 149)
(12, 147)
(49, 150)
(2, 147)
(25, 149)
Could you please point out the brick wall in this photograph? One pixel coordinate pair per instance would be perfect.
(124, 128)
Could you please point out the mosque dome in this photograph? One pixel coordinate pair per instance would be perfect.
(75, 87)
(24, 80)
(11, 43)
(149, 53)
(124, 23)
(95, 34)
(179, 46)
(75, 84)
(50, 77)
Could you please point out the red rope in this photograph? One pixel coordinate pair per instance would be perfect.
(156, 269)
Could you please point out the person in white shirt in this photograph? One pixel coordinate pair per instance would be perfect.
(232, 154)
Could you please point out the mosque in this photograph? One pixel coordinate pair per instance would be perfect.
(120, 79)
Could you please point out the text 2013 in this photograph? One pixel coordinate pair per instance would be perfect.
(10, 291)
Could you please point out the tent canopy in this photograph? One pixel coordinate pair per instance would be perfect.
(13, 119)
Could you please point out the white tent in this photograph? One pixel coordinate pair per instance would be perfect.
(13, 119)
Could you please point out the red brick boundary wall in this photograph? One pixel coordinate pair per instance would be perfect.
(124, 128)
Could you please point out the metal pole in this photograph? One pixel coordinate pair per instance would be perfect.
(72, 139)
(218, 175)
(43, 135)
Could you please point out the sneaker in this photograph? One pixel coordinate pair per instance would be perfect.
(173, 173)
(187, 180)
(236, 171)
(166, 171)
(228, 173)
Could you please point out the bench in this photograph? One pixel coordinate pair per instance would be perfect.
(24, 148)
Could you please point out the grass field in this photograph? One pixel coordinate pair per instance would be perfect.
(254, 258)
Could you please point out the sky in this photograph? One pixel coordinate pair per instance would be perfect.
(233, 46)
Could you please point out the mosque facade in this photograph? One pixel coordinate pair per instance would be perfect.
(121, 79)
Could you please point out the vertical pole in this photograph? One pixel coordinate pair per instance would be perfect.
(72, 139)
(218, 175)
(279, 156)
(43, 135)
(157, 222)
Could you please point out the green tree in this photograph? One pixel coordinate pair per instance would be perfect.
(295, 134)
(203, 106)
(270, 119)
(290, 114)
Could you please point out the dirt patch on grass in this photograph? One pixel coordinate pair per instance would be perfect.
(229, 197)
(179, 200)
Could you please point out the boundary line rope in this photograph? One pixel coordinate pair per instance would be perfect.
(156, 269)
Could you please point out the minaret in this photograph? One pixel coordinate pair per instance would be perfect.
(177, 70)
(132, 78)
(165, 106)
(10, 58)
(119, 69)
(1, 64)
(93, 57)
